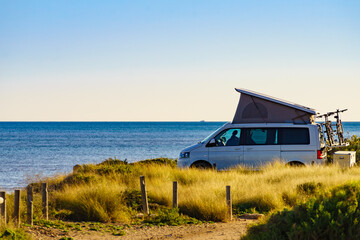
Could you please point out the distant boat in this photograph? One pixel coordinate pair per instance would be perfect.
(202, 121)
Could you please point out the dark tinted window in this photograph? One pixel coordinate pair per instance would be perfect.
(261, 136)
(294, 136)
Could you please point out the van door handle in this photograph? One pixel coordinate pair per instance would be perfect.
(238, 148)
(249, 148)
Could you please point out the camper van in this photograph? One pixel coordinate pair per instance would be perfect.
(264, 129)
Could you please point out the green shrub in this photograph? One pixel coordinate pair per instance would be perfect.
(259, 205)
(171, 217)
(332, 215)
(79, 178)
(354, 145)
(309, 188)
(159, 161)
(13, 234)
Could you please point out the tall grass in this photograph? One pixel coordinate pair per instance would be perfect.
(110, 191)
(102, 197)
(101, 202)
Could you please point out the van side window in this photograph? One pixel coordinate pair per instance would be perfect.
(293, 136)
(229, 137)
(261, 136)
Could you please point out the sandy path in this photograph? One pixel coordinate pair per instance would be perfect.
(231, 230)
(217, 231)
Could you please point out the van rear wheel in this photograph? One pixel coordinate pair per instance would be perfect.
(201, 165)
(295, 164)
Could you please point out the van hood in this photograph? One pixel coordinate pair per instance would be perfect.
(193, 147)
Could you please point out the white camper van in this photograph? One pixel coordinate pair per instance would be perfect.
(264, 129)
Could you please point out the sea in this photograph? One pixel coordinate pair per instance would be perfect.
(34, 150)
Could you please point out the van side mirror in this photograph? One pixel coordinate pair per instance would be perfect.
(212, 143)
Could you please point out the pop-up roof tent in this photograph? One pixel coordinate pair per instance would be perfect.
(259, 108)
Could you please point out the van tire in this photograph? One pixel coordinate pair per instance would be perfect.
(295, 164)
(201, 165)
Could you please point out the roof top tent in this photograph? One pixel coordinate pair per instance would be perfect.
(255, 107)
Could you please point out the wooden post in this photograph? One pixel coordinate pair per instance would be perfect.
(175, 194)
(143, 195)
(228, 203)
(29, 205)
(17, 208)
(45, 201)
(3, 208)
(1, 202)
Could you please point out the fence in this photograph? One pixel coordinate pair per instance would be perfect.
(145, 205)
(29, 203)
(45, 202)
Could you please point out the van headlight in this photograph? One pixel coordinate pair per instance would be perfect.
(185, 155)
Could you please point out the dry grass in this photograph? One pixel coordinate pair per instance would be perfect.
(202, 193)
(98, 192)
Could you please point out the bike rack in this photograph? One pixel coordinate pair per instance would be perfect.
(334, 131)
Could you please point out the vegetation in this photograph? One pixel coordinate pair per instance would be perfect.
(354, 145)
(110, 191)
(331, 215)
(116, 230)
(171, 217)
(11, 233)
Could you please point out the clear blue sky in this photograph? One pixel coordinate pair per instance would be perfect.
(174, 60)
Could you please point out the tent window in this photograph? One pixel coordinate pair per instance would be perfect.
(255, 110)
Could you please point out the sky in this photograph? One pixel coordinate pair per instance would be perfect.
(174, 60)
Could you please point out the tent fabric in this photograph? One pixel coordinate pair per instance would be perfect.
(259, 108)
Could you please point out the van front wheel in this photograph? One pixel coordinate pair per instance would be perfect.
(201, 165)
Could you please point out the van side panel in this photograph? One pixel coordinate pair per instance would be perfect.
(305, 153)
(227, 156)
(257, 155)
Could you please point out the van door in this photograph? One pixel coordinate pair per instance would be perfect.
(260, 146)
(226, 151)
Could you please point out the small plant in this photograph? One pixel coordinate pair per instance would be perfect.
(171, 217)
(309, 188)
(120, 233)
(13, 234)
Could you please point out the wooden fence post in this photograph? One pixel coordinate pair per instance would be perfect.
(3, 208)
(29, 205)
(175, 194)
(17, 208)
(45, 201)
(143, 195)
(228, 203)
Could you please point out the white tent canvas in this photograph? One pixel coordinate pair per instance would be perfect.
(259, 108)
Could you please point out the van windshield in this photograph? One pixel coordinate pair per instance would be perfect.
(212, 134)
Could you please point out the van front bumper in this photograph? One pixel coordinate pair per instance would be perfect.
(183, 162)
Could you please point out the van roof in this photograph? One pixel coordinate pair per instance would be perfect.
(276, 100)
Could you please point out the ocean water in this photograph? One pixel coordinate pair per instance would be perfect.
(30, 149)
